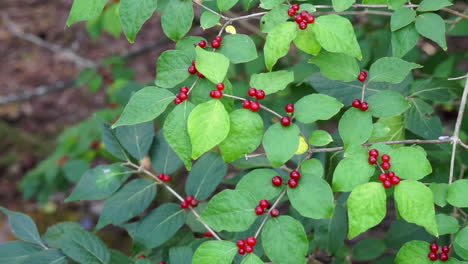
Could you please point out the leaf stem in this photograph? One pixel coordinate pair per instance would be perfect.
(268, 213)
(261, 106)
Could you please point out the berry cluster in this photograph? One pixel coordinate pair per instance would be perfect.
(254, 106)
(192, 69)
(361, 105)
(164, 177)
(215, 43)
(303, 19)
(262, 205)
(182, 96)
(189, 201)
(388, 179)
(434, 247)
(218, 93)
(246, 246)
(295, 177)
(362, 76)
(286, 120)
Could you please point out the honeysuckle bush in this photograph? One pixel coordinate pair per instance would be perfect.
(342, 135)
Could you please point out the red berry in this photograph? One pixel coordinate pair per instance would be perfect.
(292, 183)
(141, 256)
(291, 12)
(249, 249)
(385, 158)
(395, 180)
(443, 256)
(216, 94)
(434, 247)
(184, 89)
(362, 76)
(208, 234)
(177, 101)
(286, 121)
(241, 251)
(220, 86)
(259, 210)
(194, 203)
(295, 7)
(252, 92)
(167, 178)
(194, 62)
(357, 103)
(219, 38)
(303, 25)
(184, 205)
(161, 176)
(310, 19)
(289, 108)
(192, 69)
(240, 243)
(385, 165)
(202, 43)
(215, 44)
(446, 249)
(277, 180)
(183, 96)
(432, 256)
(372, 160)
(274, 212)
(383, 177)
(264, 204)
(391, 174)
(364, 106)
(200, 75)
(298, 19)
(295, 175)
(251, 241)
(246, 104)
(305, 14)
(374, 153)
(363, 73)
(254, 106)
(260, 94)
(189, 198)
(387, 184)
(161, 262)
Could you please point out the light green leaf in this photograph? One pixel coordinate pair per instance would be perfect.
(100, 182)
(23, 227)
(278, 42)
(281, 143)
(285, 240)
(401, 18)
(432, 26)
(205, 62)
(413, 252)
(177, 19)
(367, 207)
(320, 138)
(133, 14)
(387, 104)
(336, 34)
(457, 193)
(404, 40)
(460, 244)
(433, 5)
(216, 252)
(391, 69)
(208, 125)
(270, 4)
(145, 105)
(312, 167)
(239, 48)
(245, 134)
(315, 107)
(415, 204)
(206, 175)
(410, 162)
(84, 247)
(272, 82)
(230, 210)
(224, 5)
(355, 126)
(136, 139)
(439, 190)
(258, 184)
(163, 158)
(342, 5)
(327, 61)
(252, 259)
(172, 68)
(15, 252)
(307, 41)
(85, 10)
(446, 224)
(276, 16)
(209, 20)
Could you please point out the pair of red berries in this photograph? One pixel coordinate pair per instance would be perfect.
(182, 96)
(362, 76)
(252, 105)
(218, 93)
(286, 120)
(303, 19)
(262, 205)
(434, 247)
(361, 105)
(189, 201)
(192, 69)
(247, 245)
(164, 177)
(215, 43)
(373, 159)
(295, 176)
(389, 179)
(257, 93)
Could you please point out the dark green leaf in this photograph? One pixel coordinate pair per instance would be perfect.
(446, 224)
(418, 120)
(180, 255)
(404, 40)
(136, 139)
(177, 19)
(368, 249)
(163, 158)
(15, 252)
(271, 19)
(460, 244)
(391, 69)
(74, 169)
(84, 247)
(433, 5)
(207, 174)
(224, 5)
(23, 227)
(387, 104)
(55, 233)
(49, 256)
(432, 26)
(134, 13)
(111, 142)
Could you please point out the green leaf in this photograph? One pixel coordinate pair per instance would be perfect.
(432, 26)
(272, 82)
(367, 207)
(180, 255)
(55, 234)
(172, 68)
(209, 20)
(100, 182)
(273, 18)
(74, 169)
(111, 142)
(419, 120)
(49, 256)
(206, 175)
(395, 4)
(118, 257)
(258, 184)
(355, 126)
(313, 167)
(313, 197)
(336, 34)
(163, 158)
(208, 125)
(413, 252)
(177, 19)
(439, 190)
(307, 41)
(219, 252)
(342, 5)
(446, 224)
(278, 42)
(136, 139)
(84, 247)
(252, 259)
(285, 240)
(160, 225)
(280, 143)
(387, 104)
(410, 162)
(404, 40)
(320, 138)
(85, 10)
(327, 62)
(315, 107)
(270, 4)
(205, 62)
(245, 134)
(457, 193)
(176, 132)
(434, 89)
(352, 171)
(401, 18)
(145, 105)
(111, 20)
(433, 5)
(368, 249)
(230, 210)
(15, 252)
(128, 202)
(460, 244)
(239, 48)
(224, 5)
(23, 227)
(415, 204)
(391, 69)
(133, 14)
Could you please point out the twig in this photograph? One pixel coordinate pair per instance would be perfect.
(453, 12)
(209, 9)
(268, 213)
(363, 12)
(261, 106)
(363, 92)
(458, 78)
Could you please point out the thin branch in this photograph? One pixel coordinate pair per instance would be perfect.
(458, 78)
(363, 92)
(360, 6)
(268, 213)
(210, 10)
(204, 224)
(261, 106)
(254, 15)
(453, 12)
(363, 12)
